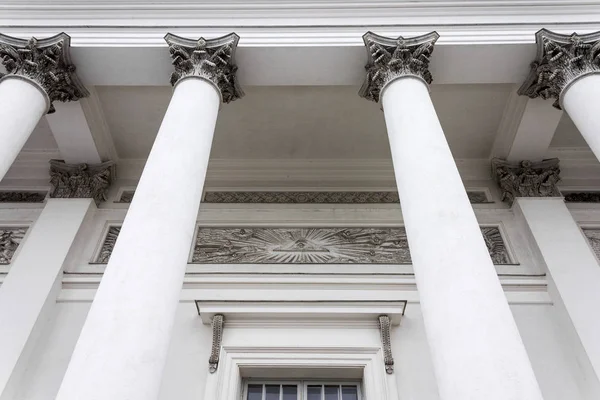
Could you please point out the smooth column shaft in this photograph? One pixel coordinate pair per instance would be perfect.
(580, 101)
(123, 345)
(475, 345)
(22, 104)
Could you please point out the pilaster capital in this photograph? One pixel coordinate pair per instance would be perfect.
(526, 178)
(212, 60)
(391, 58)
(45, 62)
(561, 60)
(80, 180)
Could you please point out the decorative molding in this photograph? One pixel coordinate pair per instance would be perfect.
(46, 62)
(392, 58)
(22, 196)
(582, 197)
(386, 342)
(80, 180)
(10, 238)
(213, 60)
(561, 59)
(217, 337)
(527, 179)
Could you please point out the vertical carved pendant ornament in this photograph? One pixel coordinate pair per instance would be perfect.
(213, 60)
(80, 180)
(217, 337)
(560, 61)
(526, 179)
(386, 342)
(391, 58)
(46, 62)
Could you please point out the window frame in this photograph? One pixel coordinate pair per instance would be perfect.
(301, 385)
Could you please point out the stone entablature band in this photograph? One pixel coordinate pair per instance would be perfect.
(391, 58)
(212, 60)
(46, 63)
(561, 60)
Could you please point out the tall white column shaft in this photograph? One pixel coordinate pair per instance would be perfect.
(22, 104)
(29, 291)
(123, 345)
(580, 101)
(476, 348)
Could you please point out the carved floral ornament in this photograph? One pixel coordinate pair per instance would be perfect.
(391, 58)
(527, 179)
(46, 62)
(80, 180)
(561, 59)
(213, 60)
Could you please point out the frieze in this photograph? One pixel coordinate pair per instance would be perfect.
(390, 58)
(46, 62)
(80, 180)
(213, 60)
(526, 179)
(306, 246)
(593, 237)
(10, 238)
(22, 197)
(582, 197)
(561, 59)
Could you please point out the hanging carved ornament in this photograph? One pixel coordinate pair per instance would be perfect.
(386, 343)
(46, 62)
(217, 338)
(213, 60)
(561, 59)
(391, 58)
(526, 179)
(80, 180)
(10, 238)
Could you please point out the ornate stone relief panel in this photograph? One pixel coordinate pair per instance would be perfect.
(593, 236)
(306, 246)
(10, 238)
(24, 196)
(582, 197)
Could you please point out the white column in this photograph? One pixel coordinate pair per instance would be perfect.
(29, 291)
(123, 345)
(573, 271)
(24, 91)
(475, 345)
(580, 101)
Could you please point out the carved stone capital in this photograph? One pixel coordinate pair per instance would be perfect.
(386, 343)
(393, 58)
(213, 60)
(217, 337)
(80, 180)
(560, 61)
(46, 62)
(526, 179)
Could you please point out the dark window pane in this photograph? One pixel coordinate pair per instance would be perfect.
(272, 392)
(332, 392)
(349, 393)
(290, 392)
(255, 392)
(314, 393)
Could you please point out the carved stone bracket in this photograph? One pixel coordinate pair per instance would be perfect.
(217, 337)
(80, 180)
(213, 60)
(561, 59)
(386, 342)
(46, 62)
(392, 58)
(527, 179)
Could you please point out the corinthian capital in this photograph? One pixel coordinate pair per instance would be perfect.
(392, 58)
(561, 59)
(526, 179)
(72, 181)
(46, 62)
(213, 60)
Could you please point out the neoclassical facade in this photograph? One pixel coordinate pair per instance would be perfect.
(201, 201)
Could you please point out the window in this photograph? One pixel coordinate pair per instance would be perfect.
(301, 391)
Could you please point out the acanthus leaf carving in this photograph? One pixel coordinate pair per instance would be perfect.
(217, 338)
(10, 238)
(46, 62)
(526, 179)
(80, 180)
(386, 342)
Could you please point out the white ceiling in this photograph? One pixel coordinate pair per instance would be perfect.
(567, 134)
(317, 122)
